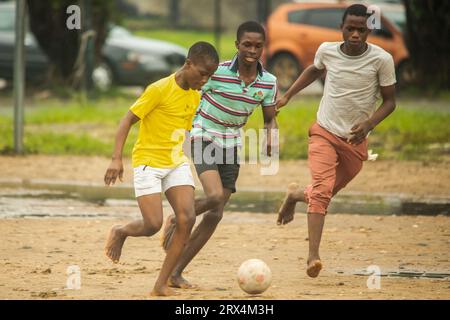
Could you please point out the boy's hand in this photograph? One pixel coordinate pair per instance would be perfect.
(114, 170)
(359, 132)
(281, 102)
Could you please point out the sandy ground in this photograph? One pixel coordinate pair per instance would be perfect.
(36, 252)
(35, 255)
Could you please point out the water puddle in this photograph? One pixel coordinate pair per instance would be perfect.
(27, 197)
(410, 274)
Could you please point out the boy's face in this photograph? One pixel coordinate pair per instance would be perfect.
(250, 47)
(355, 31)
(198, 73)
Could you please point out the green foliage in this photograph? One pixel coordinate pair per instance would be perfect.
(417, 130)
(56, 127)
(428, 54)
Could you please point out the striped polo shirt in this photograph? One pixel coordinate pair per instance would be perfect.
(227, 103)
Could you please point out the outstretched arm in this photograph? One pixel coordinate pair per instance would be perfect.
(359, 131)
(308, 76)
(115, 169)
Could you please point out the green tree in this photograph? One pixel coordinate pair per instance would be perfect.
(428, 40)
(47, 19)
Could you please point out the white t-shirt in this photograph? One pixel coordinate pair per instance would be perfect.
(352, 85)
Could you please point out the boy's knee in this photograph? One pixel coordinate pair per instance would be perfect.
(152, 227)
(318, 205)
(213, 217)
(185, 219)
(215, 199)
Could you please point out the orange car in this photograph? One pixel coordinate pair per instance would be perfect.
(296, 30)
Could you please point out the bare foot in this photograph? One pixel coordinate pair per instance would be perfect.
(114, 244)
(287, 209)
(314, 268)
(162, 291)
(167, 234)
(179, 282)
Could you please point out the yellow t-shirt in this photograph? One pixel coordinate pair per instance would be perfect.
(166, 111)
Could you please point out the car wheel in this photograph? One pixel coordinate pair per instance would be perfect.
(286, 68)
(102, 77)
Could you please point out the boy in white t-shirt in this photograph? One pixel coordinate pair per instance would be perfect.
(356, 73)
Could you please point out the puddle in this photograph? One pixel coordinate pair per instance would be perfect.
(410, 274)
(24, 199)
(269, 202)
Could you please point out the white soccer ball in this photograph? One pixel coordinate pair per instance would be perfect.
(254, 276)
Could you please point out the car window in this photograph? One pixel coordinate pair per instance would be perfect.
(298, 16)
(326, 18)
(6, 20)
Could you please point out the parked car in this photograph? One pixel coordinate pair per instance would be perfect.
(126, 59)
(296, 30)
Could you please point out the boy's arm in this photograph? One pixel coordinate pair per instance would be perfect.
(270, 122)
(308, 76)
(115, 169)
(360, 131)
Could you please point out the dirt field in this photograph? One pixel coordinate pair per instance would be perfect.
(36, 252)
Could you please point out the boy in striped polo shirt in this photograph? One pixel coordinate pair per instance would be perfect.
(229, 98)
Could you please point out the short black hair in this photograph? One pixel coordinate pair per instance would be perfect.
(359, 10)
(202, 51)
(250, 26)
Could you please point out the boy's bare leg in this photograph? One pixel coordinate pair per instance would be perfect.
(198, 239)
(181, 198)
(151, 210)
(201, 206)
(294, 194)
(214, 196)
(211, 184)
(315, 227)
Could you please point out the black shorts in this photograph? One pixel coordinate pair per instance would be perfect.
(207, 156)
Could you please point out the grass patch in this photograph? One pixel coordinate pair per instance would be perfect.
(408, 134)
(68, 127)
(189, 37)
(293, 122)
(74, 127)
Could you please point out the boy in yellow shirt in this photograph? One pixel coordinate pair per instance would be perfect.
(165, 109)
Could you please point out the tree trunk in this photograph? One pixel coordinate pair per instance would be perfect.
(60, 44)
(427, 37)
(174, 13)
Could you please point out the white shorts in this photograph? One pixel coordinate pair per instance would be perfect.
(149, 180)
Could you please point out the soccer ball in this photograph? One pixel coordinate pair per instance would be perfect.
(254, 276)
